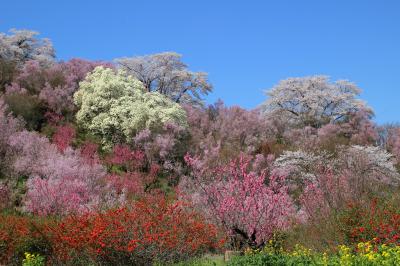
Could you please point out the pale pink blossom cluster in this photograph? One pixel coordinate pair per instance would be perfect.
(58, 183)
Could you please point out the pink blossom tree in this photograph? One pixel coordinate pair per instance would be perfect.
(54, 85)
(58, 183)
(123, 156)
(224, 132)
(249, 206)
(8, 127)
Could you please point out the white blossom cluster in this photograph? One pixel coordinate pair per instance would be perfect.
(299, 164)
(313, 101)
(116, 107)
(367, 163)
(373, 161)
(166, 74)
(22, 45)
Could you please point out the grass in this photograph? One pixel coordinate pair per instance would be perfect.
(207, 260)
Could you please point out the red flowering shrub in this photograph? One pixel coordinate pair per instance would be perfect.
(19, 234)
(372, 221)
(148, 230)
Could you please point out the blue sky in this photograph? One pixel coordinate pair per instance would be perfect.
(245, 46)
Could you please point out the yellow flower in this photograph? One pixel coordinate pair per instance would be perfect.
(385, 254)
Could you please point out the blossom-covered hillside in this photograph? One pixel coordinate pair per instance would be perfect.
(124, 163)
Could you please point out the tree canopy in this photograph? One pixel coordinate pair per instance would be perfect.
(166, 74)
(314, 101)
(116, 106)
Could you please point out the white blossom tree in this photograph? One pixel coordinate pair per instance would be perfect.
(115, 106)
(166, 74)
(313, 101)
(370, 162)
(364, 167)
(23, 45)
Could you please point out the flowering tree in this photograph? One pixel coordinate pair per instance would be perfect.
(369, 162)
(240, 201)
(165, 147)
(300, 167)
(115, 106)
(322, 183)
(8, 127)
(390, 139)
(22, 45)
(58, 183)
(53, 85)
(63, 137)
(221, 132)
(313, 101)
(166, 74)
(359, 162)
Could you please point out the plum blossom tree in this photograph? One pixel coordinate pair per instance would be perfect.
(123, 156)
(88, 151)
(166, 74)
(313, 101)
(115, 107)
(240, 201)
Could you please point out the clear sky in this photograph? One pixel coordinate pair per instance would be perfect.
(245, 46)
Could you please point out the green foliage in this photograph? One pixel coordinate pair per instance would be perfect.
(115, 107)
(33, 260)
(364, 254)
(209, 260)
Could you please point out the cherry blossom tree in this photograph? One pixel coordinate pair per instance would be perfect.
(165, 147)
(313, 101)
(166, 74)
(390, 139)
(354, 174)
(23, 45)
